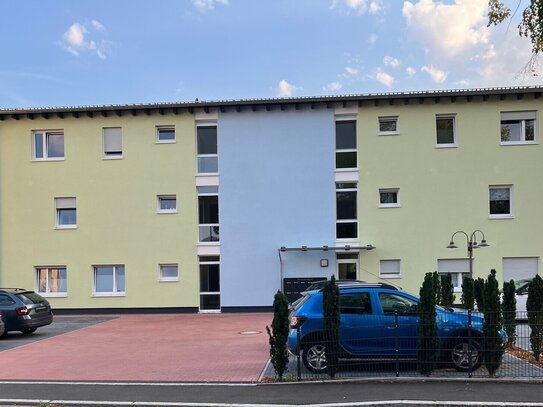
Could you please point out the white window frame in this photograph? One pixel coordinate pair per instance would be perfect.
(355, 221)
(388, 118)
(198, 156)
(64, 203)
(208, 262)
(347, 118)
(167, 211)
(163, 279)
(390, 275)
(347, 261)
(47, 292)
(114, 156)
(455, 136)
(113, 293)
(199, 193)
(459, 273)
(388, 191)
(165, 127)
(522, 117)
(511, 213)
(45, 145)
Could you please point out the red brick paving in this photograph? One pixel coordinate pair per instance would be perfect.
(176, 348)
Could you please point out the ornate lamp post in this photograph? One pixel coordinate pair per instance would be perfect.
(472, 244)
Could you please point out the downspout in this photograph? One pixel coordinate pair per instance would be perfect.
(281, 271)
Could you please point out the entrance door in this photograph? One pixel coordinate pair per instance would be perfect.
(210, 288)
(347, 266)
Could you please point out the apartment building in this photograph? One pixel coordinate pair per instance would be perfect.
(210, 206)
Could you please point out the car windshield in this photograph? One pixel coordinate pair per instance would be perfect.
(31, 298)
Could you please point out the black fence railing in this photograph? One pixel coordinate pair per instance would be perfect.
(391, 345)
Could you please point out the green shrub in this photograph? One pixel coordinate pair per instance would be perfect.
(428, 341)
(468, 295)
(492, 324)
(478, 293)
(509, 311)
(278, 334)
(447, 290)
(534, 306)
(331, 324)
(437, 287)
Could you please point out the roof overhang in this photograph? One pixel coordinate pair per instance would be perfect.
(326, 248)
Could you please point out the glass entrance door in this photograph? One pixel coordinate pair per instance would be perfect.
(210, 288)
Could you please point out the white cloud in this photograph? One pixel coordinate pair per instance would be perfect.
(76, 40)
(359, 6)
(333, 87)
(285, 89)
(205, 5)
(384, 78)
(350, 71)
(410, 71)
(391, 62)
(437, 75)
(372, 39)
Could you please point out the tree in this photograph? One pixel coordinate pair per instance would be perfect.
(534, 306)
(492, 324)
(437, 287)
(468, 298)
(478, 293)
(278, 334)
(531, 23)
(428, 341)
(447, 290)
(509, 311)
(331, 323)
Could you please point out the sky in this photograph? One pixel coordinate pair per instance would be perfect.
(100, 52)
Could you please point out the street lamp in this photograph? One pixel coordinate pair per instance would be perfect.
(472, 244)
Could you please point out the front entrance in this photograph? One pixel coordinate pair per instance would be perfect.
(347, 266)
(210, 283)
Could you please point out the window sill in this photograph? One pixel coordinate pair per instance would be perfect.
(389, 133)
(207, 174)
(165, 141)
(100, 295)
(518, 143)
(501, 217)
(166, 212)
(172, 280)
(390, 277)
(65, 227)
(447, 145)
(346, 169)
(217, 243)
(389, 206)
(53, 295)
(47, 159)
(113, 157)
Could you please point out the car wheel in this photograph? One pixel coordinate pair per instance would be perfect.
(28, 331)
(314, 358)
(2, 334)
(460, 355)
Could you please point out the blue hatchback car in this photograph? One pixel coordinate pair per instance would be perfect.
(367, 327)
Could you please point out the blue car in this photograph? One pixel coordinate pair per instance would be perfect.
(367, 328)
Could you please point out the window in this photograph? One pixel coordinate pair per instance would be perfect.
(167, 204)
(520, 268)
(165, 134)
(346, 144)
(389, 198)
(445, 130)
(6, 300)
(66, 217)
(355, 303)
(208, 159)
(347, 264)
(518, 127)
(210, 283)
(346, 214)
(48, 145)
(457, 268)
(113, 142)
(388, 126)
(392, 303)
(109, 280)
(389, 269)
(208, 214)
(500, 201)
(169, 272)
(51, 281)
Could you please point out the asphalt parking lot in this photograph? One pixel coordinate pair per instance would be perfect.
(160, 348)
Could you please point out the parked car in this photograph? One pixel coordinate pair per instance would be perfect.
(367, 328)
(521, 291)
(24, 310)
(2, 326)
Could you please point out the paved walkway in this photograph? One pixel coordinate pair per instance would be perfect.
(166, 348)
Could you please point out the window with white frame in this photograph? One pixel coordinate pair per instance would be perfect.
(445, 131)
(48, 145)
(346, 212)
(210, 283)
(346, 155)
(169, 272)
(208, 158)
(66, 213)
(389, 198)
(501, 201)
(113, 142)
(518, 128)
(51, 281)
(165, 134)
(208, 214)
(389, 268)
(457, 268)
(388, 125)
(108, 280)
(167, 204)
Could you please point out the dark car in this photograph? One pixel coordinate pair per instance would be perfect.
(367, 328)
(2, 326)
(24, 310)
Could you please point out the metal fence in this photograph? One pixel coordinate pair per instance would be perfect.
(373, 346)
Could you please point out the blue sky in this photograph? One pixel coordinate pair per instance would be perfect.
(66, 52)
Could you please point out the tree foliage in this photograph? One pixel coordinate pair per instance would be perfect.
(437, 287)
(468, 298)
(478, 293)
(331, 323)
(278, 334)
(492, 324)
(531, 23)
(447, 290)
(428, 341)
(509, 311)
(534, 306)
